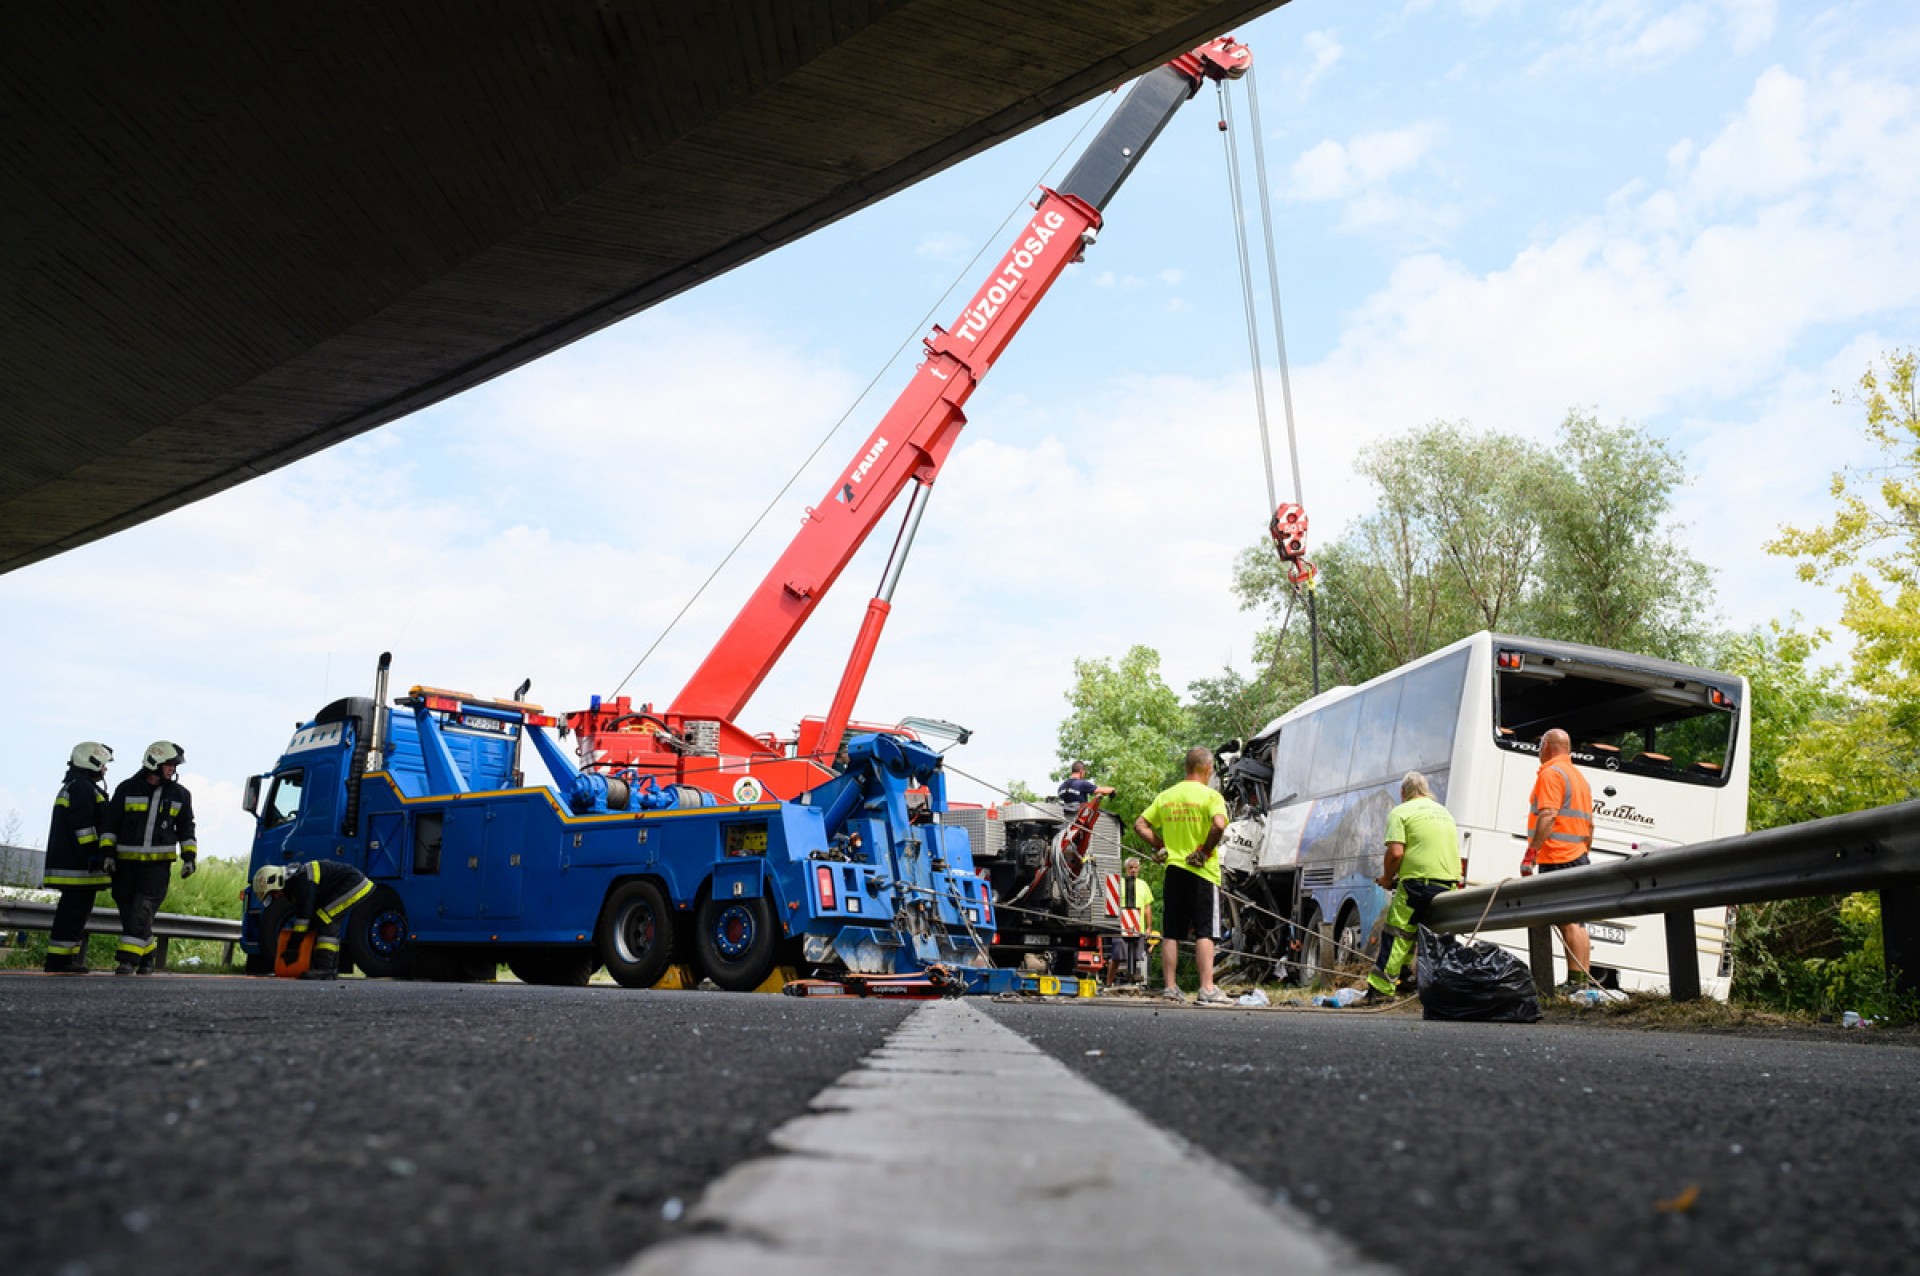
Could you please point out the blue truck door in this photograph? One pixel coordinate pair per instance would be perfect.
(501, 873)
(463, 850)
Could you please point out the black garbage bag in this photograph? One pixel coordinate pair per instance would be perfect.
(1473, 981)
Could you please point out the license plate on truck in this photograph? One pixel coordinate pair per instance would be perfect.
(1036, 941)
(1601, 933)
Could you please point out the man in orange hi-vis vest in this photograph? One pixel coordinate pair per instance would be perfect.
(1560, 831)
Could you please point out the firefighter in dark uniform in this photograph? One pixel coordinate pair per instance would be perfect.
(76, 861)
(149, 824)
(322, 892)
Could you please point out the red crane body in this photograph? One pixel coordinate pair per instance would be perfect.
(695, 740)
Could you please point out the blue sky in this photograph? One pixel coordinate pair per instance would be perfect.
(1700, 217)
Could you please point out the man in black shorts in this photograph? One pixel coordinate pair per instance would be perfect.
(1184, 825)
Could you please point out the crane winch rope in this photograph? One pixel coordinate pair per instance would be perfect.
(1288, 526)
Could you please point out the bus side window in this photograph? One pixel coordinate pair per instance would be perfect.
(1429, 713)
(1328, 773)
(1373, 746)
(1292, 759)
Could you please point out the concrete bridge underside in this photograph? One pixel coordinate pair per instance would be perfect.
(231, 235)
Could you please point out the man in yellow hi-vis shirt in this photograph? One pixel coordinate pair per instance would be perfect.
(1184, 825)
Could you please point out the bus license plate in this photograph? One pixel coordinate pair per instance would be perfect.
(1602, 933)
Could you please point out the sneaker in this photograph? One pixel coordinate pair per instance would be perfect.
(1213, 997)
(1173, 994)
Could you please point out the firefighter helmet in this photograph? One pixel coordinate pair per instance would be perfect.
(270, 878)
(91, 755)
(161, 752)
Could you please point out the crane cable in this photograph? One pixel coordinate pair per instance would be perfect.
(1228, 129)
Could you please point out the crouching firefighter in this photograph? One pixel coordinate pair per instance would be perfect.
(322, 892)
(76, 863)
(149, 825)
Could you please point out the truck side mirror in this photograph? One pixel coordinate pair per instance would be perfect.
(250, 799)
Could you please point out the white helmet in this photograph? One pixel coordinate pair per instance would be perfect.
(91, 755)
(161, 752)
(270, 878)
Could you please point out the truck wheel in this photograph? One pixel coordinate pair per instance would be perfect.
(635, 935)
(376, 936)
(553, 967)
(736, 940)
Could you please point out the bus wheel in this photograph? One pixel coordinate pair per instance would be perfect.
(1351, 941)
(736, 939)
(635, 935)
(553, 967)
(376, 937)
(1313, 964)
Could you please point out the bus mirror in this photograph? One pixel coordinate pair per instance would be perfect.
(250, 799)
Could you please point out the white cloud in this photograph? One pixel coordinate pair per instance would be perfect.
(1332, 170)
(1325, 52)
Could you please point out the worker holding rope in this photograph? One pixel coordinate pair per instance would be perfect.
(1422, 860)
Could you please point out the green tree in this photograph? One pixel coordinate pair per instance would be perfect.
(1128, 726)
(1871, 549)
(1612, 570)
(1864, 751)
(1790, 697)
(1478, 530)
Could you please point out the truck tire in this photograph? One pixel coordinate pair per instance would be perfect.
(376, 937)
(736, 940)
(635, 934)
(553, 967)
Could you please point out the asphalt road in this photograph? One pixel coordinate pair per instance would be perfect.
(201, 1125)
(1445, 1148)
(208, 1126)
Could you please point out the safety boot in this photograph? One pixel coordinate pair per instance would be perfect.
(126, 968)
(58, 964)
(325, 965)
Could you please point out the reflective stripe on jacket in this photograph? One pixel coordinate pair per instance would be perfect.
(1571, 807)
(149, 821)
(74, 851)
(324, 889)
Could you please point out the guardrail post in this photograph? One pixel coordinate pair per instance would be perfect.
(1900, 934)
(1683, 957)
(160, 953)
(1540, 956)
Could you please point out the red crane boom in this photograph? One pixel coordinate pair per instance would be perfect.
(696, 738)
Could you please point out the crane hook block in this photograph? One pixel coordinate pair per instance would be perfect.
(1289, 532)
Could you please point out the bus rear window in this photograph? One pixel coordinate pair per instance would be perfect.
(1626, 720)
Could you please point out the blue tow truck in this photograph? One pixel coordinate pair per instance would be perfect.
(472, 867)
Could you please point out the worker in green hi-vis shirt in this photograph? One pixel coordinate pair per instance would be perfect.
(1423, 859)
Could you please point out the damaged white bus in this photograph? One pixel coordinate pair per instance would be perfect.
(1663, 745)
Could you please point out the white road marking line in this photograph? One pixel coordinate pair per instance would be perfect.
(958, 1139)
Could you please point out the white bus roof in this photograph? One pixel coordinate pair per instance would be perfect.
(1565, 652)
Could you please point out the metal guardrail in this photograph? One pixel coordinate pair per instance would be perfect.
(1877, 849)
(20, 914)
